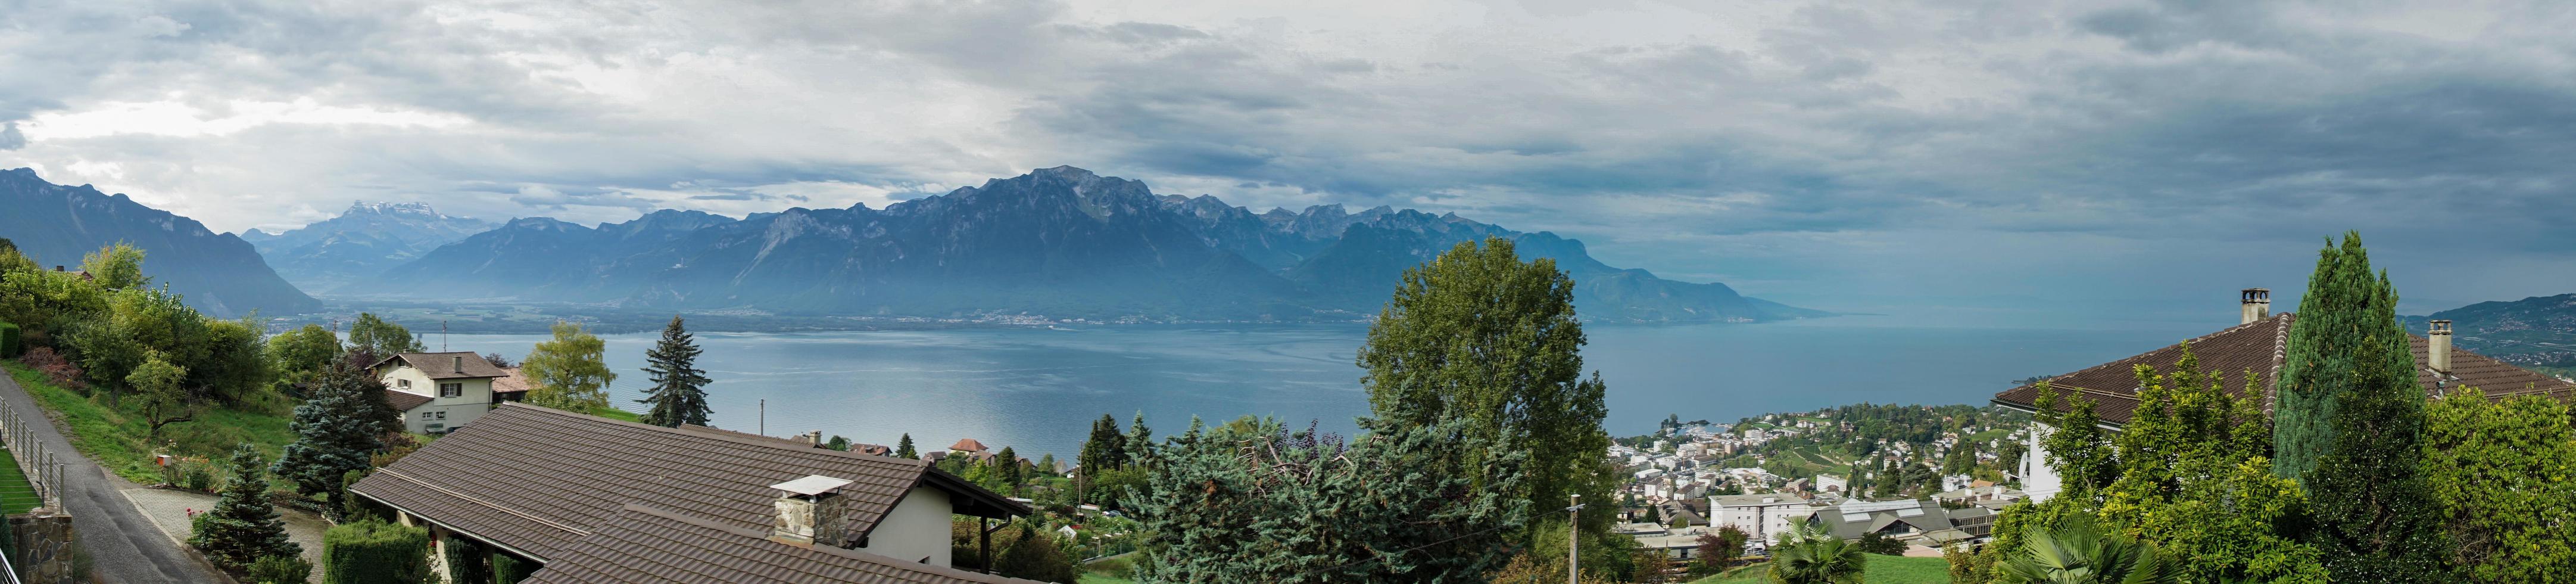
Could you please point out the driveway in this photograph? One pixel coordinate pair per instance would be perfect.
(169, 510)
(123, 544)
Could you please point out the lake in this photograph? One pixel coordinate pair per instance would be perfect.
(1039, 389)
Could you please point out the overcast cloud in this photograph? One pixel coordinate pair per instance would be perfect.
(2006, 160)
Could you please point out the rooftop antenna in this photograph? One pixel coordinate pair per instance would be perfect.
(442, 336)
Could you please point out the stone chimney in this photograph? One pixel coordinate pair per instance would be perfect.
(814, 438)
(809, 509)
(2438, 352)
(2257, 303)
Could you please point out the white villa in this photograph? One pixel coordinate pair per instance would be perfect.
(438, 392)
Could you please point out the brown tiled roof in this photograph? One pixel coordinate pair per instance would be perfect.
(511, 381)
(872, 449)
(2259, 347)
(404, 401)
(447, 365)
(570, 472)
(644, 545)
(967, 445)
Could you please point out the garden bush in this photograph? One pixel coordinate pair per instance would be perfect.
(8, 340)
(375, 552)
(280, 570)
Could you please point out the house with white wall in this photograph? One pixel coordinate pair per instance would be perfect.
(440, 392)
(2255, 344)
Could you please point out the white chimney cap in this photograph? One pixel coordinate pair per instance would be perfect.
(812, 485)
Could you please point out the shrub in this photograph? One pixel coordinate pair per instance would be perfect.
(57, 369)
(465, 564)
(280, 570)
(197, 477)
(371, 552)
(198, 523)
(507, 569)
(8, 340)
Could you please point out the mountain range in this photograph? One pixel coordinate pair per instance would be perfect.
(1059, 242)
(215, 272)
(360, 241)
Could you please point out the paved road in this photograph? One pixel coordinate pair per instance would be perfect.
(125, 544)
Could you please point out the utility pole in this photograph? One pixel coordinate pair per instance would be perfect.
(764, 416)
(442, 336)
(1573, 533)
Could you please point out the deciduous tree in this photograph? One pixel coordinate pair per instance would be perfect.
(165, 401)
(373, 335)
(1480, 336)
(570, 372)
(118, 266)
(300, 356)
(2505, 475)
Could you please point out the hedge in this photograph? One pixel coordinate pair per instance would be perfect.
(508, 569)
(375, 552)
(8, 340)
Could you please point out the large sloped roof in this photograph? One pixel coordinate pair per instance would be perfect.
(455, 365)
(568, 474)
(2260, 347)
(640, 544)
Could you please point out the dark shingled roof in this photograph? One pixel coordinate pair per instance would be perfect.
(404, 401)
(569, 473)
(2259, 347)
(447, 365)
(639, 544)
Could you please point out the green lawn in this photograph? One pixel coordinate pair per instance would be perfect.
(1882, 570)
(117, 437)
(1092, 578)
(20, 496)
(613, 413)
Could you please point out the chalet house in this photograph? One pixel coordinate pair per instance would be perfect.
(2258, 343)
(594, 500)
(439, 392)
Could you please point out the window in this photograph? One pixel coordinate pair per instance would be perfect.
(404, 384)
(451, 389)
(437, 428)
(434, 416)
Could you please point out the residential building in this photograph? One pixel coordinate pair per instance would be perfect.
(1764, 516)
(439, 392)
(2257, 344)
(596, 500)
(1923, 523)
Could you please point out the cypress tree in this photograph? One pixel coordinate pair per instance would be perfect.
(679, 394)
(2349, 425)
(903, 448)
(245, 528)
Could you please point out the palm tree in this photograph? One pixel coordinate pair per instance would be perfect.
(2079, 553)
(1809, 555)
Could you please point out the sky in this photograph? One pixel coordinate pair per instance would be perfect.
(2005, 163)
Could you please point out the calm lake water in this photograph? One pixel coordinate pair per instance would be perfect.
(1039, 389)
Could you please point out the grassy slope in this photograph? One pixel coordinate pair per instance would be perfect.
(14, 487)
(116, 436)
(1882, 570)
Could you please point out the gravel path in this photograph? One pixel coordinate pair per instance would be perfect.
(123, 543)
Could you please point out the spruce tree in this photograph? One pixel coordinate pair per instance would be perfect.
(333, 434)
(903, 448)
(679, 394)
(2349, 426)
(244, 527)
(1006, 466)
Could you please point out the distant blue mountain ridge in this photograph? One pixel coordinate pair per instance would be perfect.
(1059, 242)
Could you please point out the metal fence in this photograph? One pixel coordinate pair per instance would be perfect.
(41, 464)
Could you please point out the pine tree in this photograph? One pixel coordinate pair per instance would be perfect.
(679, 394)
(903, 448)
(1140, 440)
(2349, 426)
(244, 527)
(333, 435)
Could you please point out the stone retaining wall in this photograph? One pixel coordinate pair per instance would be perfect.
(46, 543)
